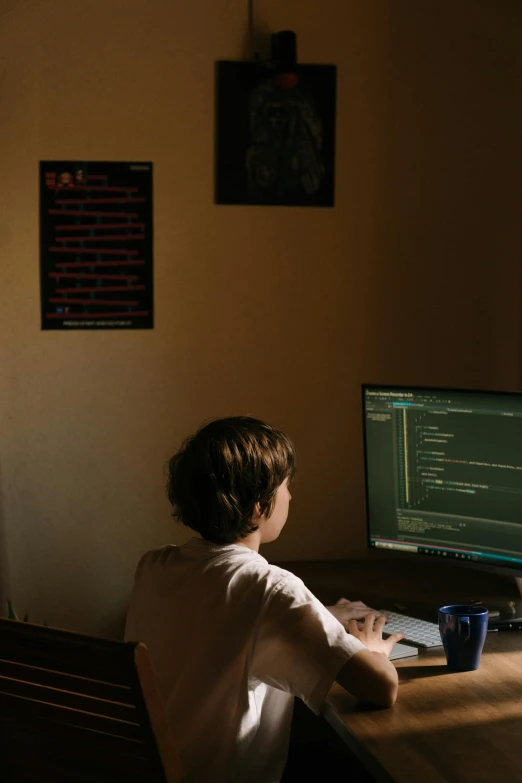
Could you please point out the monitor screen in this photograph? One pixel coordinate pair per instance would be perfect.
(444, 472)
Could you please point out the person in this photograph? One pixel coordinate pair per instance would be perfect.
(232, 638)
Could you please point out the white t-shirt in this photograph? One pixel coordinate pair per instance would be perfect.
(232, 640)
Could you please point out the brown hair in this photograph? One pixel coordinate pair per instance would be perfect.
(221, 472)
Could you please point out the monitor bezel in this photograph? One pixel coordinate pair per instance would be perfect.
(502, 567)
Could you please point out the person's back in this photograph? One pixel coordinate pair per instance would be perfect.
(232, 638)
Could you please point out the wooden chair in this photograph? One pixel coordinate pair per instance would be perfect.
(78, 708)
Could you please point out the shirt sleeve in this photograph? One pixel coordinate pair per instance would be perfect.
(300, 646)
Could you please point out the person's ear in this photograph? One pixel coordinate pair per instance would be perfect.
(257, 511)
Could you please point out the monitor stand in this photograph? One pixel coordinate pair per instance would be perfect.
(516, 605)
(509, 610)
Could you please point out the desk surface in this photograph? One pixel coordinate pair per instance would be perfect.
(445, 727)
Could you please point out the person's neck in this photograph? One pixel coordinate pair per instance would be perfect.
(252, 541)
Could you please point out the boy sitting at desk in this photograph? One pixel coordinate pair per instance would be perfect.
(232, 638)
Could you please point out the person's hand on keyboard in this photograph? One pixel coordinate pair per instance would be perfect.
(346, 610)
(371, 634)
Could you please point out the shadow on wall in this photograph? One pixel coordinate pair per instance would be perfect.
(447, 196)
(92, 611)
(4, 580)
(114, 628)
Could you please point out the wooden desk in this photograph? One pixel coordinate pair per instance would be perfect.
(446, 727)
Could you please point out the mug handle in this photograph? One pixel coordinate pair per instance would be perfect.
(464, 626)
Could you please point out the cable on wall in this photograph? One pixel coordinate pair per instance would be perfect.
(251, 30)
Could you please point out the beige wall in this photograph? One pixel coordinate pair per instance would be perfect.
(414, 277)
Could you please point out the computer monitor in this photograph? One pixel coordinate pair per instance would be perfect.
(444, 473)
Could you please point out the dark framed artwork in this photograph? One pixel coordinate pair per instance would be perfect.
(96, 245)
(275, 136)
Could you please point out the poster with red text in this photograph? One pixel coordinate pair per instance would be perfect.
(96, 245)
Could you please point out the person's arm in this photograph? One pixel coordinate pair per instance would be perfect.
(369, 675)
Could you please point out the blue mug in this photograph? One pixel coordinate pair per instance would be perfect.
(463, 632)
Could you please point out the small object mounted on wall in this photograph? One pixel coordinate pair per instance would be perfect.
(275, 140)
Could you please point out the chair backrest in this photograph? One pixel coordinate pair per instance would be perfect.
(78, 708)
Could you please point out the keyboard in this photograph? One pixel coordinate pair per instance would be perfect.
(420, 633)
(401, 650)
